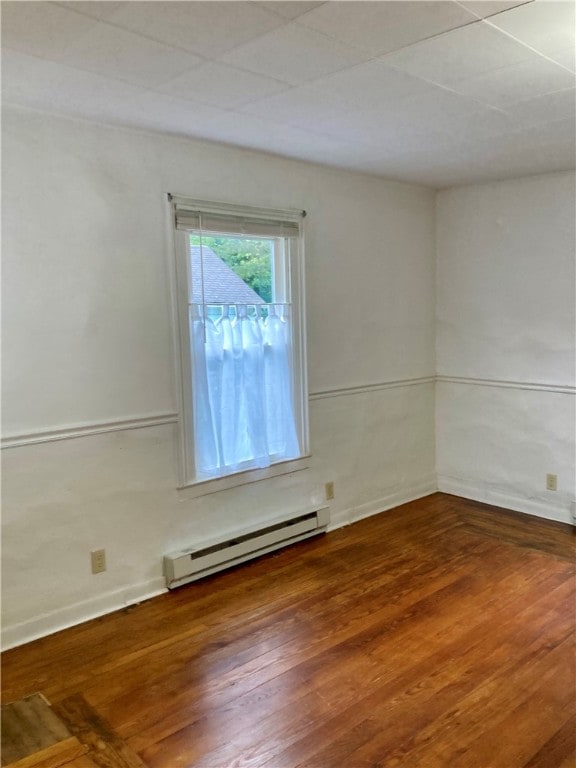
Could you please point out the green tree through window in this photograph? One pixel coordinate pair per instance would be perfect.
(250, 259)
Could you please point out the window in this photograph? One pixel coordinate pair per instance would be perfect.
(241, 330)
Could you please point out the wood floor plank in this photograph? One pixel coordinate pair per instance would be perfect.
(401, 706)
(107, 750)
(405, 703)
(327, 639)
(560, 749)
(56, 755)
(541, 535)
(81, 762)
(222, 756)
(439, 633)
(385, 635)
(449, 729)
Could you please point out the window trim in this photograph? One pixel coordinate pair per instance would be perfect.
(184, 360)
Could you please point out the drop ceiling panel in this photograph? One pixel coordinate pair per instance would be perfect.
(462, 53)
(222, 86)
(536, 26)
(288, 10)
(532, 78)
(540, 149)
(565, 57)
(489, 124)
(454, 116)
(384, 130)
(423, 167)
(551, 107)
(205, 28)
(377, 27)
(450, 114)
(95, 8)
(304, 107)
(41, 29)
(293, 54)
(372, 85)
(485, 8)
(125, 56)
(44, 84)
(160, 112)
(434, 121)
(287, 139)
(91, 96)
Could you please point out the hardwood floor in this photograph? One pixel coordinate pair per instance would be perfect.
(440, 634)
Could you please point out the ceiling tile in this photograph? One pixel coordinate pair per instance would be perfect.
(222, 86)
(539, 149)
(125, 56)
(205, 28)
(288, 10)
(26, 78)
(420, 167)
(548, 108)
(379, 27)
(52, 86)
(160, 112)
(448, 116)
(519, 153)
(97, 9)
(371, 85)
(565, 57)
(453, 115)
(462, 53)
(293, 54)
(282, 140)
(45, 84)
(381, 128)
(546, 27)
(528, 79)
(486, 8)
(40, 28)
(302, 107)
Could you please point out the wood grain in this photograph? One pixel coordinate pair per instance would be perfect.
(441, 633)
(82, 762)
(107, 750)
(56, 755)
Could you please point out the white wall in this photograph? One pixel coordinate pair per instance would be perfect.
(506, 342)
(88, 352)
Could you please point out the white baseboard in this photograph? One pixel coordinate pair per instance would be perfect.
(501, 498)
(424, 487)
(78, 613)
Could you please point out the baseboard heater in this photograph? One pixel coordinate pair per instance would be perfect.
(196, 562)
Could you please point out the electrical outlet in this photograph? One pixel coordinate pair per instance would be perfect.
(329, 491)
(98, 560)
(551, 482)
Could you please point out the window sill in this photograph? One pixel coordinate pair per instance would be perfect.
(204, 487)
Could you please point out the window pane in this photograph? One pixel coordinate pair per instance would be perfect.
(234, 270)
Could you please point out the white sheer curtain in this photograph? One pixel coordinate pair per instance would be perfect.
(241, 387)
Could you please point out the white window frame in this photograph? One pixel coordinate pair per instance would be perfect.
(184, 360)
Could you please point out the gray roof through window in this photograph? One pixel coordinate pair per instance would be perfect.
(221, 284)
